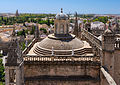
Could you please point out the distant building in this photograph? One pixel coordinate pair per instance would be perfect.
(17, 14)
(97, 28)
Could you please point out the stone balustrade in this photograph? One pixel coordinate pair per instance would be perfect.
(96, 42)
(64, 59)
(26, 50)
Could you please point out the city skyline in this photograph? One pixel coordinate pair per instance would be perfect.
(53, 6)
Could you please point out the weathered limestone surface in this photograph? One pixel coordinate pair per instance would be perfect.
(61, 83)
(35, 71)
(117, 66)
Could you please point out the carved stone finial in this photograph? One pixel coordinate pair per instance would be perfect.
(13, 33)
(72, 51)
(76, 25)
(52, 51)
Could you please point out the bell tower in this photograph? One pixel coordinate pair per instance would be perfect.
(14, 69)
(17, 14)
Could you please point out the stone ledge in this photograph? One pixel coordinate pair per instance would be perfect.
(67, 37)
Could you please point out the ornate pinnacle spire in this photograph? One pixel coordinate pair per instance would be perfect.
(76, 25)
(61, 10)
(116, 20)
(110, 24)
(15, 53)
(13, 33)
(76, 15)
(37, 31)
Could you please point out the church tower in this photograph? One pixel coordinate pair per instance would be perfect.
(17, 14)
(14, 69)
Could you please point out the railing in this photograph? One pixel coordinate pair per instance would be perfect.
(92, 39)
(62, 59)
(26, 50)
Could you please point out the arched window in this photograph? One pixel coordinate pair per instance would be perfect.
(61, 29)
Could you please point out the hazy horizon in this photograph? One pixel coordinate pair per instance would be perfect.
(53, 6)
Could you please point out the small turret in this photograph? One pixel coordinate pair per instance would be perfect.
(15, 53)
(108, 40)
(108, 48)
(14, 67)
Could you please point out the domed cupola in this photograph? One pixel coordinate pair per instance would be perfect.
(61, 24)
(61, 16)
(61, 42)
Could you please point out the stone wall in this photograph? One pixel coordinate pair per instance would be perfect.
(50, 73)
(117, 66)
(61, 83)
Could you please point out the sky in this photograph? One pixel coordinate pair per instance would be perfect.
(54, 6)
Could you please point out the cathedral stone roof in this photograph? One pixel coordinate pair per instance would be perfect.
(58, 44)
(61, 43)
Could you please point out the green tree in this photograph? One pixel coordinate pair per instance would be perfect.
(2, 74)
(43, 29)
(101, 19)
(19, 33)
(26, 18)
(84, 21)
(23, 45)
